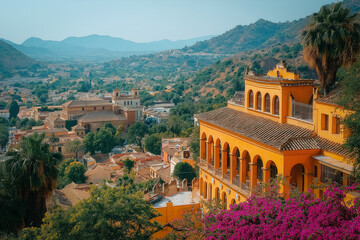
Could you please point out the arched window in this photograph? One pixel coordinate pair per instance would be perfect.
(237, 160)
(267, 103)
(251, 99)
(258, 101)
(276, 105)
(273, 171)
(220, 160)
(228, 156)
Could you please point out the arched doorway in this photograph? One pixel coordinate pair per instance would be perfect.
(210, 150)
(233, 202)
(203, 146)
(297, 177)
(217, 194)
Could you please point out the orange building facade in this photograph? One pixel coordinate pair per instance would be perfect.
(279, 125)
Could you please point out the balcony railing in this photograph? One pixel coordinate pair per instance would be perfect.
(239, 98)
(302, 111)
(241, 187)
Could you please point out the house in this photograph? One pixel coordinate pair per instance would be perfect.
(280, 125)
(129, 100)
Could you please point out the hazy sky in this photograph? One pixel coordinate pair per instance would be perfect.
(141, 20)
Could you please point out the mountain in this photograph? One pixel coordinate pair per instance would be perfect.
(11, 58)
(122, 45)
(95, 48)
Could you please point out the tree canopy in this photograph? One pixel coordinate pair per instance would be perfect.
(109, 213)
(136, 132)
(331, 39)
(13, 109)
(183, 170)
(153, 144)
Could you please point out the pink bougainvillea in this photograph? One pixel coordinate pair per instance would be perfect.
(305, 217)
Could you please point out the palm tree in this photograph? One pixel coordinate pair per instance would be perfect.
(53, 141)
(76, 147)
(32, 169)
(331, 39)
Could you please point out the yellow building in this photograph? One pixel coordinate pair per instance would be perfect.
(278, 125)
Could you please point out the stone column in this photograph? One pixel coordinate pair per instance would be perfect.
(224, 161)
(266, 174)
(243, 170)
(253, 175)
(232, 167)
(217, 160)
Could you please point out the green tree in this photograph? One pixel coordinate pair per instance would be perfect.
(76, 147)
(195, 142)
(13, 109)
(33, 173)
(183, 170)
(104, 140)
(109, 213)
(75, 172)
(348, 95)
(153, 144)
(89, 143)
(174, 125)
(129, 164)
(4, 135)
(53, 141)
(331, 39)
(108, 126)
(136, 132)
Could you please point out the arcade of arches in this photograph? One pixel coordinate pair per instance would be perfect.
(233, 168)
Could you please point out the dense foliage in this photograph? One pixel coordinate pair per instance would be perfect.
(109, 213)
(184, 170)
(331, 39)
(305, 217)
(71, 171)
(30, 173)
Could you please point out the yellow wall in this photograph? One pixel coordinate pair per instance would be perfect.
(282, 72)
(332, 112)
(169, 214)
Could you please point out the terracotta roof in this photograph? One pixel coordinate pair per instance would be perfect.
(76, 192)
(331, 98)
(257, 128)
(87, 102)
(332, 147)
(284, 137)
(78, 127)
(170, 151)
(103, 116)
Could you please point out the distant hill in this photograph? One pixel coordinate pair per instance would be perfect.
(258, 35)
(95, 48)
(11, 58)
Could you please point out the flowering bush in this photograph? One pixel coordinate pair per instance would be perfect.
(304, 217)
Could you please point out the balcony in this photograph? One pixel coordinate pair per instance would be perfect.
(302, 111)
(225, 178)
(238, 99)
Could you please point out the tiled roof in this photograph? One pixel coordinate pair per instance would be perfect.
(331, 98)
(257, 128)
(332, 147)
(100, 117)
(284, 137)
(87, 102)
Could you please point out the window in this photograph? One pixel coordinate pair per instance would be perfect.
(276, 105)
(258, 101)
(267, 103)
(131, 103)
(82, 109)
(335, 125)
(103, 108)
(251, 99)
(259, 165)
(331, 174)
(324, 122)
(94, 108)
(124, 102)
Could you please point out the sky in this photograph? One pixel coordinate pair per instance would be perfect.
(141, 20)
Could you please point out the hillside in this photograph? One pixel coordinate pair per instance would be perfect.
(11, 59)
(95, 48)
(262, 43)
